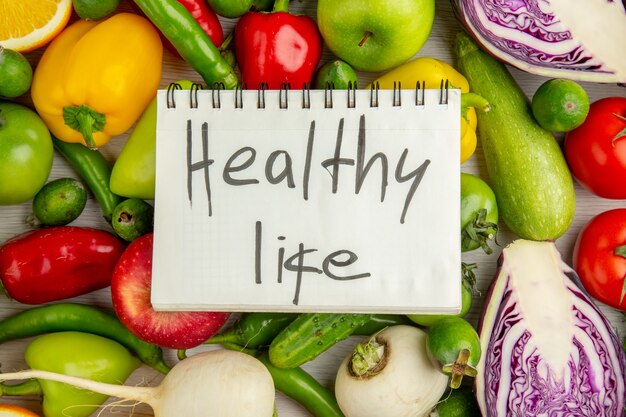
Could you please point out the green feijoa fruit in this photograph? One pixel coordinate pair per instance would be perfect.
(338, 73)
(230, 8)
(454, 343)
(560, 105)
(16, 73)
(95, 9)
(60, 202)
(132, 218)
(458, 403)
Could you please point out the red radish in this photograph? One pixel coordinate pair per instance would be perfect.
(130, 290)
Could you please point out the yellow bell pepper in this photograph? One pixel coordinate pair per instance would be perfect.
(96, 78)
(432, 71)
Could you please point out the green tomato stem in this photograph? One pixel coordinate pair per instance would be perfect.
(479, 231)
(85, 120)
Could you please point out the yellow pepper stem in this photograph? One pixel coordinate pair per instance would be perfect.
(473, 100)
(85, 120)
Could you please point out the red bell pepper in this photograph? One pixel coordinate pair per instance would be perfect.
(204, 15)
(56, 263)
(277, 47)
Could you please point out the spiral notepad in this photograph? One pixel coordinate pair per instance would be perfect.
(307, 200)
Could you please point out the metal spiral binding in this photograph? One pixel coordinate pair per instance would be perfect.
(374, 94)
(443, 92)
(193, 95)
(239, 95)
(419, 93)
(171, 103)
(420, 86)
(260, 103)
(328, 95)
(306, 96)
(283, 96)
(216, 96)
(397, 94)
(352, 87)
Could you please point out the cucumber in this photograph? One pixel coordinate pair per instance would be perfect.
(527, 170)
(311, 334)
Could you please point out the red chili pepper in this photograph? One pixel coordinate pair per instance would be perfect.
(204, 15)
(56, 263)
(277, 47)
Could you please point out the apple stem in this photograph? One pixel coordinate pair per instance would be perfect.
(365, 38)
(2, 119)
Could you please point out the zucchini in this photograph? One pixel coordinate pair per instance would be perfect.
(527, 170)
(311, 334)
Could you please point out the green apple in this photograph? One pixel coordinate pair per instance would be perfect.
(375, 35)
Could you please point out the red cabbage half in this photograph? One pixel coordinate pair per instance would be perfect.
(582, 40)
(547, 349)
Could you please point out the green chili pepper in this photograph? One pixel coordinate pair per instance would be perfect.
(303, 388)
(94, 169)
(254, 330)
(78, 354)
(191, 42)
(82, 318)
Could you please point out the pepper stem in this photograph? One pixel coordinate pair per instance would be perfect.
(28, 387)
(85, 120)
(281, 6)
(459, 368)
(473, 100)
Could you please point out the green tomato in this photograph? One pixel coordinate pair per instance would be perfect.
(26, 153)
(479, 214)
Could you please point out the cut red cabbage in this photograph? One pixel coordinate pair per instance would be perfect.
(582, 40)
(547, 349)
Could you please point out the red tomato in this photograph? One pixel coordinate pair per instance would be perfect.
(596, 150)
(600, 257)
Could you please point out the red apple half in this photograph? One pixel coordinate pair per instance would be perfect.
(130, 291)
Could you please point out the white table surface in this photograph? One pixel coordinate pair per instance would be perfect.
(439, 45)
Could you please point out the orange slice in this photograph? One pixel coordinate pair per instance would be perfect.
(29, 24)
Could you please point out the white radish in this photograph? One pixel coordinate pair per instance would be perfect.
(391, 375)
(217, 383)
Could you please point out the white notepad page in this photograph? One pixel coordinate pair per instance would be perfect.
(342, 209)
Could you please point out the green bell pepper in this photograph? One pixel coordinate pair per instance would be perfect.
(79, 354)
(134, 170)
